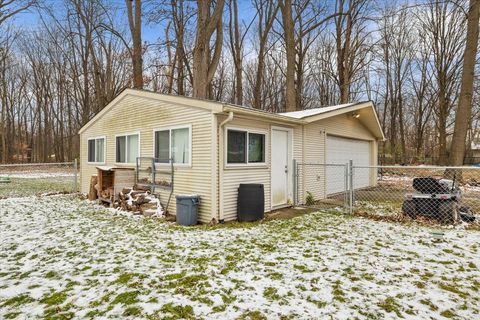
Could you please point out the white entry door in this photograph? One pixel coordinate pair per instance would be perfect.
(341, 151)
(279, 187)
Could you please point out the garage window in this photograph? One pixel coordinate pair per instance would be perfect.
(244, 147)
(96, 150)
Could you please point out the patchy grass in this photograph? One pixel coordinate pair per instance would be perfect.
(126, 298)
(54, 299)
(390, 305)
(178, 311)
(67, 258)
(18, 301)
(21, 187)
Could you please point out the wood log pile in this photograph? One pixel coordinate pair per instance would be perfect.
(139, 202)
(163, 183)
(107, 193)
(473, 182)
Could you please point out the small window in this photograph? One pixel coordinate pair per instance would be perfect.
(256, 148)
(96, 150)
(127, 147)
(173, 144)
(237, 141)
(162, 146)
(245, 147)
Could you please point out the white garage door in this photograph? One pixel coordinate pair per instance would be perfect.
(341, 151)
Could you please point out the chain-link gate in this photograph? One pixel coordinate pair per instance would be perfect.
(322, 186)
(443, 195)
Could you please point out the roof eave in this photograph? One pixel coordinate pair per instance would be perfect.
(262, 114)
(378, 132)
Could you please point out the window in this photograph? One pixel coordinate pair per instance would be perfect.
(256, 144)
(237, 140)
(173, 143)
(245, 147)
(127, 148)
(96, 150)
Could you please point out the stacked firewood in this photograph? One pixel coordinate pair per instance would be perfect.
(107, 193)
(139, 202)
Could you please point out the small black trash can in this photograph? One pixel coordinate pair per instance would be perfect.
(187, 209)
(251, 202)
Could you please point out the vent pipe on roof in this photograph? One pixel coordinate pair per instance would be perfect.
(221, 157)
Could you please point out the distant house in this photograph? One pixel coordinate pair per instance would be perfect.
(473, 153)
(216, 146)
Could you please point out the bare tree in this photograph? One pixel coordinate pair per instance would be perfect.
(134, 13)
(444, 24)
(464, 110)
(237, 38)
(9, 8)
(266, 12)
(289, 38)
(204, 65)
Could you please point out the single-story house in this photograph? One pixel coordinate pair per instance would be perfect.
(217, 146)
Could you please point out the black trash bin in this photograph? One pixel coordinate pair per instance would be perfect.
(251, 202)
(187, 209)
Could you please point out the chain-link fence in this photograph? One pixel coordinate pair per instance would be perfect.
(321, 186)
(444, 195)
(26, 179)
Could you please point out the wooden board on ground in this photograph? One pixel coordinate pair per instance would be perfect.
(92, 193)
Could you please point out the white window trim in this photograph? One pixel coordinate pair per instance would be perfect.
(170, 128)
(104, 149)
(126, 148)
(246, 164)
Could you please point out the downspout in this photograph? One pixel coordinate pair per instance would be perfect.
(221, 157)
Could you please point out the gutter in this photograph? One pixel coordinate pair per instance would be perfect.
(263, 115)
(221, 159)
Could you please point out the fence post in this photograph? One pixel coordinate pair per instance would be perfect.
(346, 199)
(75, 168)
(351, 199)
(294, 182)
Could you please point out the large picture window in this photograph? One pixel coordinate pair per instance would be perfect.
(127, 148)
(173, 143)
(245, 147)
(96, 150)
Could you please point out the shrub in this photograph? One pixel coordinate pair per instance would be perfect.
(309, 200)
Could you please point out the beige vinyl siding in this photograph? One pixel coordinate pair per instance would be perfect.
(234, 176)
(137, 114)
(314, 177)
(142, 112)
(314, 153)
(298, 156)
(345, 126)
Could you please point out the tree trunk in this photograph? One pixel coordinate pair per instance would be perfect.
(135, 24)
(464, 111)
(442, 122)
(203, 67)
(236, 49)
(289, 36)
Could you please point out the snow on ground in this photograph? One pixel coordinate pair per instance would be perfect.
(63, 256)
(37, 175)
